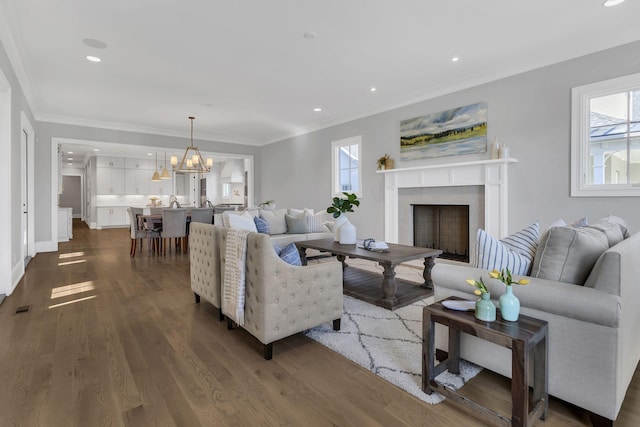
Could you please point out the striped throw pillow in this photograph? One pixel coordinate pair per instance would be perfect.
(515, 252)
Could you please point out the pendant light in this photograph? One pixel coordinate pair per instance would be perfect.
(156, 175)
(165, 172)
(192, 161)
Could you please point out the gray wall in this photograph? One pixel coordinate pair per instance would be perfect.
(71, 196)
(12, 202)
(530, 112)
(46, 131)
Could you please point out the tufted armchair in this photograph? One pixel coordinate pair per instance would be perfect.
(282, 299)
(204, 256)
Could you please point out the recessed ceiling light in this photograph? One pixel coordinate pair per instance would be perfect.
(317, 109)
(98, 44)
(455, 59)
(311, 35)
(149, 154)
(96, 149)
(69, 152)
(611, 3)
(93, 58)
(70, 164)
(373, 89)
(70, 159)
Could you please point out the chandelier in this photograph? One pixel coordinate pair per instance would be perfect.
(192, 161)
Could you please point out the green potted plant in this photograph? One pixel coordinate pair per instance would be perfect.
(341, 205)
(268, 204)
(338, 208)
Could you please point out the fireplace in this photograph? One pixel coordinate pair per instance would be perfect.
(444, 227)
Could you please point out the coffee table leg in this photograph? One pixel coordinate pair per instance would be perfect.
(342, 259)
(389, 285)
(303, 255)
(428, 265)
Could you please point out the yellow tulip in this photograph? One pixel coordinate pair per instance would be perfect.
(524, 281)
(494, 274)
(477, 292)
(471, 282)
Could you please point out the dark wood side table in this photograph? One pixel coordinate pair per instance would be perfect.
(527, 339)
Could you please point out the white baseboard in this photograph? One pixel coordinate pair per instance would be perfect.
(17, 272)
(46, 246)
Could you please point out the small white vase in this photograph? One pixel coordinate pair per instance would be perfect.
(340, 221)
(347, 234)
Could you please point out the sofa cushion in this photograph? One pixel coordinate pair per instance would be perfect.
(290, 254)
(567, 254)
(275, 218)
(514, 252)
(262, 225)
(242, 222)
(612, 230)
(296, 224)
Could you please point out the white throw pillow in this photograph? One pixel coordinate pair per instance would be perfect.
(275, 218)
(242, 222)
(514, 252)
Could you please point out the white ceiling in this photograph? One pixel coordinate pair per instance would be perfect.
(248, 74)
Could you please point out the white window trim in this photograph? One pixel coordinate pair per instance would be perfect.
(335, 172)
(580, 107)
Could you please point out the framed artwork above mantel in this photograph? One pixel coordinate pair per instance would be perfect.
(454, 132)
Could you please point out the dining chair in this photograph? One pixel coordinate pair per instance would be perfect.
(204, 215)
(174, 226)
(137, 232)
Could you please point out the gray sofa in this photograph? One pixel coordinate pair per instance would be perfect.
(281, 299)
(594, 328)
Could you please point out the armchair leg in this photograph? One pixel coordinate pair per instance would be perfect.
(220, 315)
(197, 298)
(599, 420)
(336, 325)
(229, 324)
(268, 351)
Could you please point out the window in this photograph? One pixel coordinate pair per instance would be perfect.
(226, 190)
(605, 138)
(345, 164)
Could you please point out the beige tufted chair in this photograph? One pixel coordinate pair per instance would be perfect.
(282, 299)
(204, 255)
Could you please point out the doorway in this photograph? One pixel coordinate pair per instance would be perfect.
(27, 224)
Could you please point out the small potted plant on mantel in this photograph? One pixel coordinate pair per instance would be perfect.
(385, 162)
(338, 208)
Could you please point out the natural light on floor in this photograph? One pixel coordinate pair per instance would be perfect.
(72, 302)
(71, 255)
(76, 288)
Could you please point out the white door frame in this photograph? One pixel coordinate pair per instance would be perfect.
(6, 181)
(27, 147)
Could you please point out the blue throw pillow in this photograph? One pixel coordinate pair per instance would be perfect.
(290, 254)
(262, 225)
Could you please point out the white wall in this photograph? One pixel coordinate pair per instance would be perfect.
(529, 112)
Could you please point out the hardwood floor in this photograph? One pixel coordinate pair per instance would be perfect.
(111, 340)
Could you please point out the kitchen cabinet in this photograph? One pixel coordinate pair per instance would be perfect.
(113, 216)
(110, 162)
(109, 180)
(232, 171)
(162, 187)
(65, 224)
(137, 181)
(131, 163)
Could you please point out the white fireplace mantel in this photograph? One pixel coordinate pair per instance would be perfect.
(492, 174)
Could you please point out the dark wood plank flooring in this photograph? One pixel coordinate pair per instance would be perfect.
(111, 340)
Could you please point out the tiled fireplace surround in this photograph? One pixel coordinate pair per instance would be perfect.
(480, 184)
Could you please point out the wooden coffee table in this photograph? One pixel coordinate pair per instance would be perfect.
(527, 339)
(386, 291)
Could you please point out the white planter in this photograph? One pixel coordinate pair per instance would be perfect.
(340, 221)
(348, 234)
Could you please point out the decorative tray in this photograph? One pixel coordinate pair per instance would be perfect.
(460, 305)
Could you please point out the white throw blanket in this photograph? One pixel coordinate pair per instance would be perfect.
(233, 285)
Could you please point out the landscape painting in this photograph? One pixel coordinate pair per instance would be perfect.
(454, 132)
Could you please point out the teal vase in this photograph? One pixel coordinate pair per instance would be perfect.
(509, 305)
(485, 310)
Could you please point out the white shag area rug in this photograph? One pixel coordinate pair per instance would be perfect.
(389, 344)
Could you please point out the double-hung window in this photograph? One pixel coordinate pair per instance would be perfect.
(345, 164)
(605, 138)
